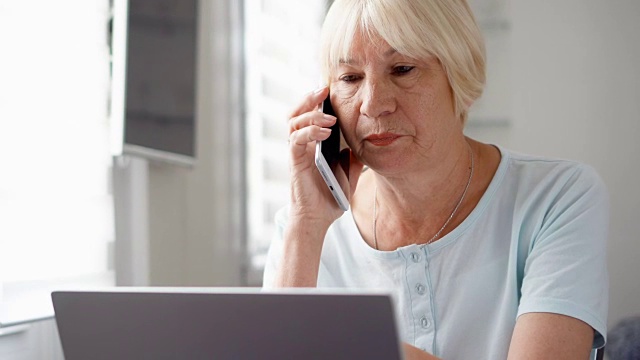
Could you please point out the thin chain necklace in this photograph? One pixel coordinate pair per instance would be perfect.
(464, 193)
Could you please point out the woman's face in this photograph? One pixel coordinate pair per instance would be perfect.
(394, 111)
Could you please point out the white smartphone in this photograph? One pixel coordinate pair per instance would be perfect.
(327, 158)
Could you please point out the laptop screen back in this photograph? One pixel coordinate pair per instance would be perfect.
(164, 325)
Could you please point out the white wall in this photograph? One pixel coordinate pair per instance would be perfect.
(576, 94)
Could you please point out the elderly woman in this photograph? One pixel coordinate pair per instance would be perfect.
(491, 254)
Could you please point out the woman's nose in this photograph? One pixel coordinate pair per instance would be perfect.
(377, 99)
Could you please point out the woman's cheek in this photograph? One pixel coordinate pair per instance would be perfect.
(346, 107)
(349, 138)
(347, 114)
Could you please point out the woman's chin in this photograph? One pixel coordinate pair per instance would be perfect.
(390, 164)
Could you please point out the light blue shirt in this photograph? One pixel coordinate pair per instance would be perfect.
(536, 242)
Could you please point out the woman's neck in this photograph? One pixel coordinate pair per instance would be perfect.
(414, 207)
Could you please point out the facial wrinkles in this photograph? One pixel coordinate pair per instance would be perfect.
(411, 104)
(378, 101)
(373, 105)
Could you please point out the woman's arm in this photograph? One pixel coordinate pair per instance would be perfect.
(538, 336)
(312, 207)
(300, 259)
(413, 353)
(550, 336)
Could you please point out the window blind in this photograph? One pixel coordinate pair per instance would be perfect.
(281, 47)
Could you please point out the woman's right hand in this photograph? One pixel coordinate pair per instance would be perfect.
(311, 200)
(313, 208)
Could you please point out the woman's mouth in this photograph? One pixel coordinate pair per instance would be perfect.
(383, 139)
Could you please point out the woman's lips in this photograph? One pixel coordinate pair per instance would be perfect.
(382, 139)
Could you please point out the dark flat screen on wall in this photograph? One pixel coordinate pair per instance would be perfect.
(161, 77)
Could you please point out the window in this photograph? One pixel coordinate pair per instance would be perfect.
(281, 46)
(56, 208)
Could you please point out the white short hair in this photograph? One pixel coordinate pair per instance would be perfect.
(419, 29)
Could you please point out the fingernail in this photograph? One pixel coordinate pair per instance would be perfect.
(319, 90)
(329, 117)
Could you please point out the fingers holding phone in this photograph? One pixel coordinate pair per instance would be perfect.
(306, 126)
(310, 199)
(339, 168)
(327, 159)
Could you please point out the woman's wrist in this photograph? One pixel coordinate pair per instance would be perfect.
(312, 220)
(301, 254)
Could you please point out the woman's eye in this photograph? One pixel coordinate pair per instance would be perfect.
(401, 70)
(348, 78)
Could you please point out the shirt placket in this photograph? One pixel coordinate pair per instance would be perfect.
(419, 288)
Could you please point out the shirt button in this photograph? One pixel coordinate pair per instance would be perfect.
(420, 289)
(415, 257)
(424, 322)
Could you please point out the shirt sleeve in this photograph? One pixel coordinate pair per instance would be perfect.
(565, 271)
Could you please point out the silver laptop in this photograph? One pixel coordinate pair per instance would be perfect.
(210, 323)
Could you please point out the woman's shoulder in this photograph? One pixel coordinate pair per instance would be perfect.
(549, 177)
(528, 166)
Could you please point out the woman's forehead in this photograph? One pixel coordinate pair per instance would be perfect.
(364, 47)
(358, 56)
